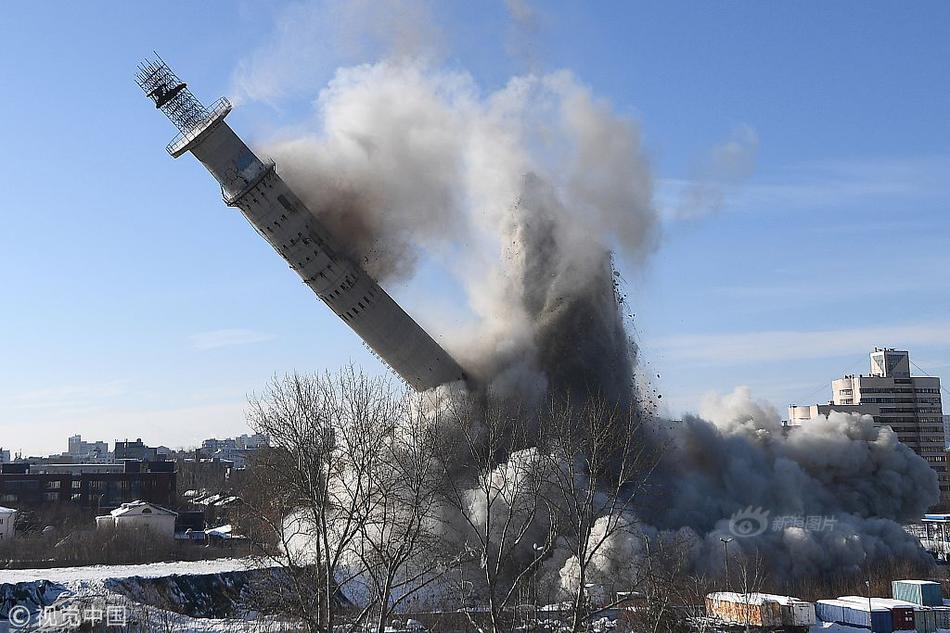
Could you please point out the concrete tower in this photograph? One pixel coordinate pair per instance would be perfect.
(254, 187)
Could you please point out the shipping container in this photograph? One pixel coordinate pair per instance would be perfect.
(903, 614)
(925, 620)
(760, 609)
(877, 619)
(829, 611)
(923, 592)
(941, 616)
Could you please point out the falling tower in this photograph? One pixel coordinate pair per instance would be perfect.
(254, 187)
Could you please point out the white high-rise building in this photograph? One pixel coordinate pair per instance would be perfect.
(94, 452)
(910, 405)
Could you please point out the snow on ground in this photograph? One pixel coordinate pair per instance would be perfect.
(83, 586)
(68, 575)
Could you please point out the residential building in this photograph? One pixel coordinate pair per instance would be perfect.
(204, 474)
(234, 449)
(142, 516)
(135, 450)
(242, 442)
(910, 405)
(7, 524)
(87, 485)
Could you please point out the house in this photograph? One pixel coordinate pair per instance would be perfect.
(140, 515)
(7, 520)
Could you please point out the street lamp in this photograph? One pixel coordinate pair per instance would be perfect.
(725, 555)
(867, 583)
(538, 552)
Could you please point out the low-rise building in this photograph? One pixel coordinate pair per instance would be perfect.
(135, 450)
(141, 516)
(96, 486)
(7, 524)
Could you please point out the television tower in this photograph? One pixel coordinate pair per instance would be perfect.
(254, 187)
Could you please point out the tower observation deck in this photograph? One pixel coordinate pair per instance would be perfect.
(254, 187)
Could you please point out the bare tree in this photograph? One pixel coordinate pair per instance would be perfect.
(600, 464)
(492, 483)
(312, 481)
(398, 550)
(751, 577)
(668, 593)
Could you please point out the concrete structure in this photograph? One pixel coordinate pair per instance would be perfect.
(88, 452)
(241, 442)
(234, 449)
(135, 450)
(140, 515)
(87, 485)
(279, 216)
(7, 524)
(910, 405)
(4, 456)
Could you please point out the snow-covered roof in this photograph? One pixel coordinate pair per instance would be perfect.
(224, 531)
(136, 507)
(917, 582)
(6, 510)
(206, 501)
(887, 603)
(854, 604)
(751, 598)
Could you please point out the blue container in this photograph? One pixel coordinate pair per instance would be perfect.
(853, 614)
(828, 611)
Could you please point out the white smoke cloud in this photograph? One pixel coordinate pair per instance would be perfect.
(834, 492)
(739, 411)
(523, 193)
(312, 38)
(719, 175)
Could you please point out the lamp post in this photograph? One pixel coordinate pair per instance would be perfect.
(538, 550)
(725, 555)
(867, 584)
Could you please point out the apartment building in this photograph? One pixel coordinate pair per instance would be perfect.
(910, 405)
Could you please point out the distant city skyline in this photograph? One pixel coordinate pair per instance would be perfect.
(139, 305)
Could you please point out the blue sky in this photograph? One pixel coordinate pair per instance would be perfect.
(138, 305)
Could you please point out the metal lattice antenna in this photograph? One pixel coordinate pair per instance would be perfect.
(170, 94)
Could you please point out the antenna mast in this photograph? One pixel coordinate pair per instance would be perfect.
(170, 94)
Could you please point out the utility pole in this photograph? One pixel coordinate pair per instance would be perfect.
(867, 584)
